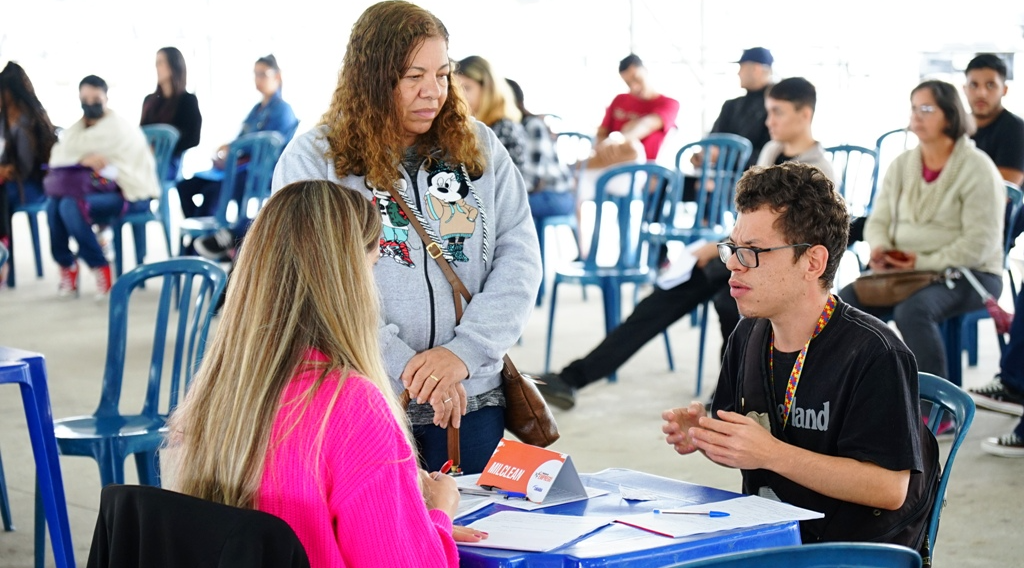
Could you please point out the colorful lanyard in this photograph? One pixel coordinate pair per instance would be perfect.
(798, 366)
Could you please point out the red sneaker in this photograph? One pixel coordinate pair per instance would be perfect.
(103, 281)
(68, 281)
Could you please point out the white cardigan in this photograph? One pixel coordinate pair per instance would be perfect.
(122, 143)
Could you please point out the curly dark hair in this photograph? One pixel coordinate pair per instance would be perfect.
(364, 128)
(810, 209)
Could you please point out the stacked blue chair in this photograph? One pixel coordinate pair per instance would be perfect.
(28, 371)
(254, 154)
(713, 208)
(643, 205)
(822, 555)
(945, 398)
(162, 139)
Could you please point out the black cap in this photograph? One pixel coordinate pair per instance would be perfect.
(757, 55)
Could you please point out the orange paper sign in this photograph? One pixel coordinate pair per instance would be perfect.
(532, 471)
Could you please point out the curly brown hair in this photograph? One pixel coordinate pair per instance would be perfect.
(364, 129)
(810, 209)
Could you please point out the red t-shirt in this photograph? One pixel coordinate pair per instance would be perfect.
(626, 107)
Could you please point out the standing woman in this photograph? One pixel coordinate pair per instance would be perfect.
(492, 103)
(28, 136)
(291, 412)
(396, 121)
(941, 205)
(170, 104)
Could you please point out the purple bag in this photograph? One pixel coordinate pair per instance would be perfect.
(75, 182)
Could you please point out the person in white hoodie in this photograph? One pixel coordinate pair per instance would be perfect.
(122, 178)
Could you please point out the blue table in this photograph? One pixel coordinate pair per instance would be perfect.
(621, 545)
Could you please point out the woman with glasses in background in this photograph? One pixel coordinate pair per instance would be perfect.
(941, 205)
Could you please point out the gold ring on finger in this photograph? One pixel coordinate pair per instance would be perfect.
(436, 380)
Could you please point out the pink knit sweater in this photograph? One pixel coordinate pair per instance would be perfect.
(357, 502)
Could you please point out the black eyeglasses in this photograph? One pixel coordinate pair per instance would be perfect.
(748, 256)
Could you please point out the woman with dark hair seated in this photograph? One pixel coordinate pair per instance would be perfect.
(171, 104)
(941, 205)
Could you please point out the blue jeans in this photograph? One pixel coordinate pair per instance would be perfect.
(550, 203)
(478, 436)
(1011, 367)
(67, 221)
(919, 316)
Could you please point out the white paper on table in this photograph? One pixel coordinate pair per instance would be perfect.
(471, 504)
(680, 269)
(748, 511)
(533, 532)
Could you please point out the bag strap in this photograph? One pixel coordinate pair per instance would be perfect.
(459, 291)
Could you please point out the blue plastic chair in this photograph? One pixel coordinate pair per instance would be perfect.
(822, 555)
(945, 398)
(648, 185)
(712, 209)
(573, 149)
(854, 167)
(261, 150)
(162, 139)
(5, 505)
(961, 332)
(32, 211)
(28, 371)
(887, 147)
(109, 436)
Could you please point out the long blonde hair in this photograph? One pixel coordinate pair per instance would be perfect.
(364, 130)
(496, 98)
(302, 281)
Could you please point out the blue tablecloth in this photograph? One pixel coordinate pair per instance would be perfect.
(621, 545)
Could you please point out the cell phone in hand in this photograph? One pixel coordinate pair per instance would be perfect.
(897, 255)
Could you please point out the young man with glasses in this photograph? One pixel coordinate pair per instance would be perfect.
(790, 110)
(817, 402)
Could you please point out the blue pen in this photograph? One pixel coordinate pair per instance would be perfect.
(512, 494)
(712, 514)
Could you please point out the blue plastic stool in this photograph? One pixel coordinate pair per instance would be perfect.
(28, 370)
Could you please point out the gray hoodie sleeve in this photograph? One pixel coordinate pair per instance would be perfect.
(496, 317)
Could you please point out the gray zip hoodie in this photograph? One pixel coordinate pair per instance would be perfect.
(483, 226)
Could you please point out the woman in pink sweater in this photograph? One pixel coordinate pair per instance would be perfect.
(291, 412)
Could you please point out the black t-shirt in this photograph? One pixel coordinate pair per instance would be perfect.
(745, 116)
(857, 398)
(782, 158)
(1003, 140)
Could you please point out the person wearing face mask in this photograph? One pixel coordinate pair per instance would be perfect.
(101, 168)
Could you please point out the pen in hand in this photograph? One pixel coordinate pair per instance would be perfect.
(712, 514)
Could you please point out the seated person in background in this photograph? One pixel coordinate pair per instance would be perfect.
(330, 450)
(1000, 132)
(635, 123)
(491, 101)
(941, 205)
(171, 104)
(790, 112)
(28, 135)
(548, 180)
(745, 116)
(270, 114)
(123, 178)
(850, 444)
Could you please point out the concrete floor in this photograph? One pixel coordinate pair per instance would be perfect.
(613, 425)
